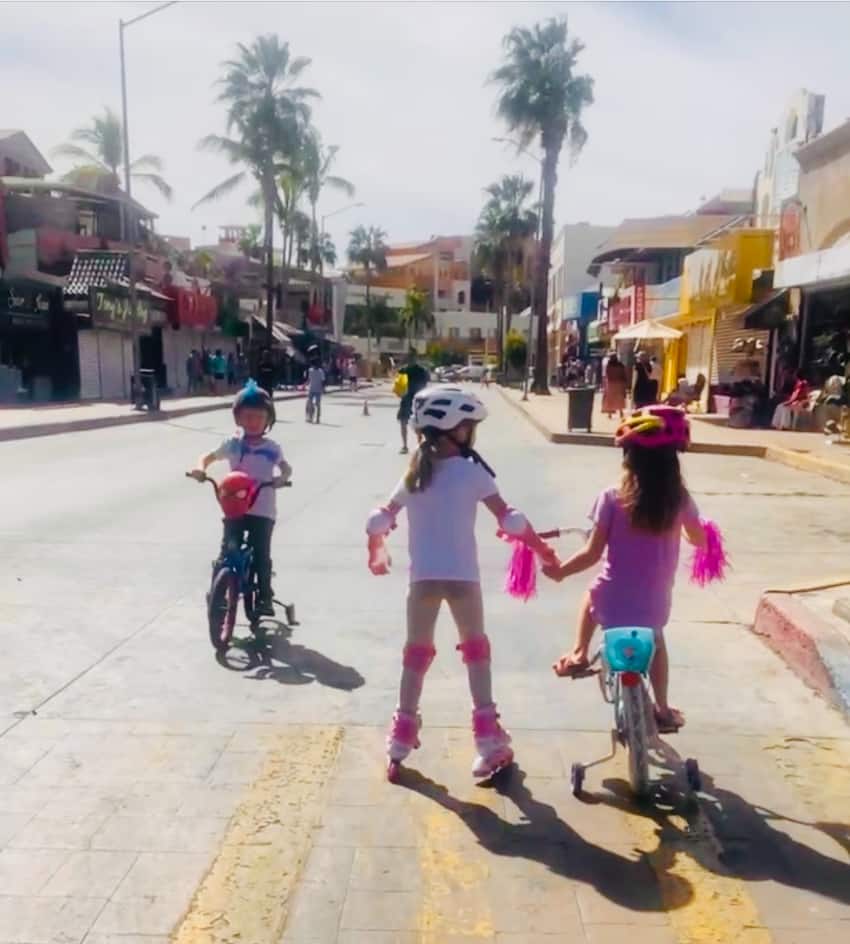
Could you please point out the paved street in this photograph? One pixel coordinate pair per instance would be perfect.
(149, 792)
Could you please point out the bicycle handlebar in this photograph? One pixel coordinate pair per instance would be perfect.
(272, 483)
(561, 532)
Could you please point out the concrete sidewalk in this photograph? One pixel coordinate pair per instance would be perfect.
(810, 452)
(18, 422)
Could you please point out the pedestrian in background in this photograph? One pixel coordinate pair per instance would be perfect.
(643, 392)
(231, 369)
(614, 386)
(219, 372)
(417, 379)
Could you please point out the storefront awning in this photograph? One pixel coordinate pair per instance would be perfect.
(647, 330)
(278, 331)
(769, 313)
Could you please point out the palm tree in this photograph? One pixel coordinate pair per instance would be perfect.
(267, 110)
(542, 99)
(416, 312)
(99, 150)
(318, 163)
(505, 222)
(250, 245)
(368, 249)
(322, 252)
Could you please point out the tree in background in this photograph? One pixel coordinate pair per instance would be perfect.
(416, 314)
(318, 163)
(515, 350)
(266, 114)
(368, 249)
(542, 99)
(250, 245)
(99, 150)
(504, 224)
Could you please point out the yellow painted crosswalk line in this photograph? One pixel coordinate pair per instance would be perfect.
(245, 896)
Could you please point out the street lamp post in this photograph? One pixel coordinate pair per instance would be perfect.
(126, 205)
(529, 334)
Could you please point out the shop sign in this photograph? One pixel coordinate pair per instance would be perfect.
(790, 219)
(640, 297)
(620, 312)
(109, 310)
(25, 307)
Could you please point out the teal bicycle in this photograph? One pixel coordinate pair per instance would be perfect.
(624, 659)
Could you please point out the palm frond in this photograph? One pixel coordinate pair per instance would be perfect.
(155, 180)
(148, 163)
(223, 189)
(77, 153)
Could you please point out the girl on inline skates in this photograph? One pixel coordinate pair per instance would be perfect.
(441, 491)
(638, 526)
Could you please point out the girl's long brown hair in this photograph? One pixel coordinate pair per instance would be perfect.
(652, 492)
(421, 468)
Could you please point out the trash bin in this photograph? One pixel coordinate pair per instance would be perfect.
(580, 407)
(150, 390)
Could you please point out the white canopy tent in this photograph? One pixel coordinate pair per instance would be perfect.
(647, 330)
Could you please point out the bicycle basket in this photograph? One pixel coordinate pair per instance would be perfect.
(629, 648)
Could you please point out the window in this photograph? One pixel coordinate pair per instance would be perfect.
(475, 334)
(454, 332)
(441, 293)
(461, 298)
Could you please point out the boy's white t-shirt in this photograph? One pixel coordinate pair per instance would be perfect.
(441, 521)
(259, 460)
(315, 380)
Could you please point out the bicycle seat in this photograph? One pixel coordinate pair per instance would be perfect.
(629, 648)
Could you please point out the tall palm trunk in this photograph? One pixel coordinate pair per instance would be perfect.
(268, 249)
(369, 323)
(550, 181)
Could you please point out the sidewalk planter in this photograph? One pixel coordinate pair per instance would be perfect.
(580, 408)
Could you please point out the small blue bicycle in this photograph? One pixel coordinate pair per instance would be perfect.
(625, 657)
(234, 575)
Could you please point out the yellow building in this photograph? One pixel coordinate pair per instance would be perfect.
(716, 293)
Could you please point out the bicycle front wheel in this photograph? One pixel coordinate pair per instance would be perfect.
(635, 731)
(221, 608)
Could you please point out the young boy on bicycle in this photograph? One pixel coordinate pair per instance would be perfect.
(258, 456)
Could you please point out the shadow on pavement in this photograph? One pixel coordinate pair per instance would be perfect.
(271, 656)
(728, 835)
(547, 839)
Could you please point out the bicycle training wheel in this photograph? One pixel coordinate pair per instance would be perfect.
(634, 723)
(221, 608)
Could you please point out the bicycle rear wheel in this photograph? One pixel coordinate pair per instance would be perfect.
(221, 608)
(635, 731)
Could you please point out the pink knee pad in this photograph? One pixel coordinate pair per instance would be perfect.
(418, 657)
(475, 649)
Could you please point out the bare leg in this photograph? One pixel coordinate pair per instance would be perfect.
(659, 674)
(423, 607)
(467, 609)
(403, 436)
(584, 635)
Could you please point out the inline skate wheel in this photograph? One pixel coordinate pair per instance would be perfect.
(693, 775)
(577, 779)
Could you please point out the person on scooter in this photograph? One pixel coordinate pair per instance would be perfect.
(638, 526)
(255, 454)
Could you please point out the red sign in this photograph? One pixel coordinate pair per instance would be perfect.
(640, 298)
(620, 313)
(790, 219)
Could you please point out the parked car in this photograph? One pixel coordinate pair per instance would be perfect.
(473, 372)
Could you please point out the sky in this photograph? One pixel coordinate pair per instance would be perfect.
(685, 97)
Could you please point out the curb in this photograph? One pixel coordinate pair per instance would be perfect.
(13, 433)
(813, 649)
(802, 461)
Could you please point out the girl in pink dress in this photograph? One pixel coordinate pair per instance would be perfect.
(637, 526)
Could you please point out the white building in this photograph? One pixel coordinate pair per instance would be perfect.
(572, 251)
(777, 180)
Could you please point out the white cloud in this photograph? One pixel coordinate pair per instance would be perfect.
(685, 96)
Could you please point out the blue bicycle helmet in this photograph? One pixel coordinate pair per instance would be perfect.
(254, 397)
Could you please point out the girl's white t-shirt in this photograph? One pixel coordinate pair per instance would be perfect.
(441, 521)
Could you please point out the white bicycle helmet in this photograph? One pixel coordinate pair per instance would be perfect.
(444, 408)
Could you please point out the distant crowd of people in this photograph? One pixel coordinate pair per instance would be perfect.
(214, 372)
